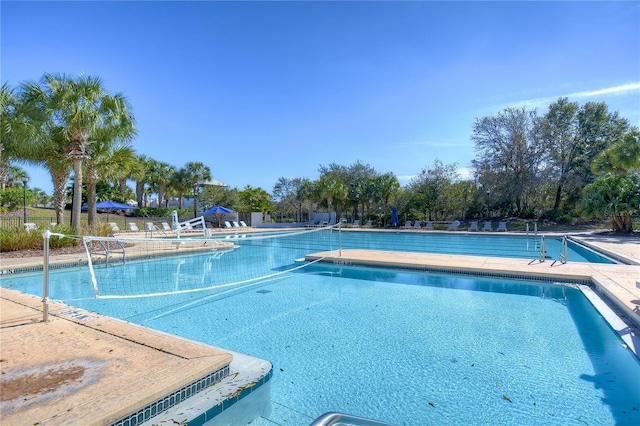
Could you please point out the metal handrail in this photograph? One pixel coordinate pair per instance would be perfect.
(341, 419)
(543, 249)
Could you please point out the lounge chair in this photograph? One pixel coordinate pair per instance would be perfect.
(429, 225)
(417, 224)
(28, 226)
(356, 223)
(407, 225)
(235, 224)
(114, 227)
(227, 224)
(166, 227)
(487, 226)
(133, 226)
(369, 224)
(151, 227)
(502, 226)
(455, 225)
(473, 226)
(243, 224)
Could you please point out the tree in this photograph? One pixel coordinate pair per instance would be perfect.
(140, 172)
(432, 190)
(616, 197)
(330, 189)
(560, 133)
(616, 192)
(305, 195)
(106, 161)
(197, 173)
(9, 128)
(621, 157)
(79, 111)
(285, 194)
(181, 183)
(254, 200)
(574, 136)
(160, 175)
(509, 154)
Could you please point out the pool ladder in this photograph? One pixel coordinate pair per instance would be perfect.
(564, 251)
(341, 419)
(106, 250)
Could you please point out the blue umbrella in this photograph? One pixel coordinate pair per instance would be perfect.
(110, 205)
(219, 211)
(394, 217)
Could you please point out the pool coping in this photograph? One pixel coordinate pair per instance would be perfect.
(129, 373)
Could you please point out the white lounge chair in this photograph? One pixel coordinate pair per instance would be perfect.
(28, 226)
(243, 224)
(368, 224)
(133, 226)
(235, 224)
(151, 227)
(487, 226)
(429, 225)
(502, 226)
(473, 226)
(407, 225)
(227, 224)
(166, 226)
(455, 225)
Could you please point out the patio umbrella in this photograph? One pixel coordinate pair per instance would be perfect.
(219, 211)
(110, 206)
(394, 217)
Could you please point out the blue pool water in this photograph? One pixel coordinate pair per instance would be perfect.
(462, 243)
(404, 347)
(511, 246)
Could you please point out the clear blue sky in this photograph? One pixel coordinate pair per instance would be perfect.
(262, 90)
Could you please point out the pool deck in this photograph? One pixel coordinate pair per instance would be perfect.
(95, 369)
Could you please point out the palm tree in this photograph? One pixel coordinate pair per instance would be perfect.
(332, 189)
(139, 172)
(17, 130)
(104, 161)
(82, 112)
(39, 143)
(161, 173)
(181, 183)
(197, 173)
(119, 168)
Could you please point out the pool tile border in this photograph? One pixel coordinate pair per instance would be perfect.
(241, 393)
(172, 399)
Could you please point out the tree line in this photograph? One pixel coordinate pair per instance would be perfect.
(573, 160)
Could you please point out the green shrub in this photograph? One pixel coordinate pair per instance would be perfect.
(13, 198)
(13, 239)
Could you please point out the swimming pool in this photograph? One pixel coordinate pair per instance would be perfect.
(459, 243)
(491, 245)
(399, 346)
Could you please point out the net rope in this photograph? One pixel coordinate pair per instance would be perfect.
(132, 267)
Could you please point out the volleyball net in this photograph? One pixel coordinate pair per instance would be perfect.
(128, 267)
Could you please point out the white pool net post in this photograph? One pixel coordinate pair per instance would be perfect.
(46, 237)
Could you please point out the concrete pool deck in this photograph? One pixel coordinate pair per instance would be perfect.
(98, 369)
